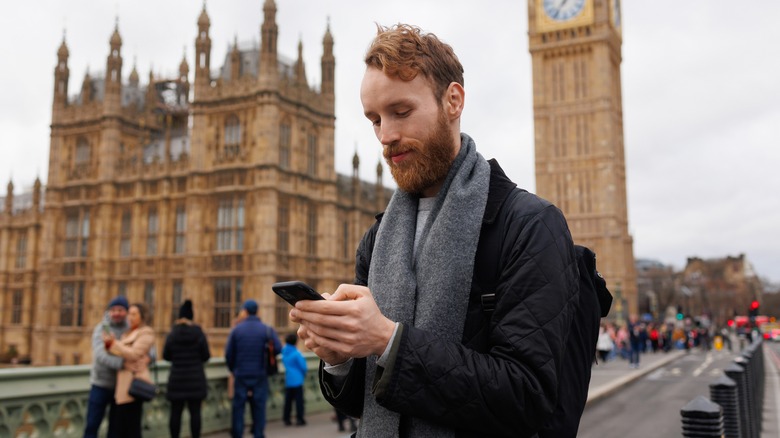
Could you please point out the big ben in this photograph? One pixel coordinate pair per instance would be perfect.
(580, 165)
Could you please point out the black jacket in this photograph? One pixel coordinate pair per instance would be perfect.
(503, 378)
(186, 349)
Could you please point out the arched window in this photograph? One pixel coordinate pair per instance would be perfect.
(285, 141)
(232, 130)
(82, 151)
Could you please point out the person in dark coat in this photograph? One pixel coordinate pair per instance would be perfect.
(187, 349)
(245, 356)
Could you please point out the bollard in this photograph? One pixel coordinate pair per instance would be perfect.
(702, 418)
(736, 373)
(724, 392)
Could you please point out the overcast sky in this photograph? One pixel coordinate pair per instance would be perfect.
(700, 95)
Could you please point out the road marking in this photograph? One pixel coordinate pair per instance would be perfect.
(703, 366)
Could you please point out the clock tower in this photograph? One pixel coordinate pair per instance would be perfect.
(575, 50)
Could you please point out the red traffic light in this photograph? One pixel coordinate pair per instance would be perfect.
(754, 305)
(730, 323)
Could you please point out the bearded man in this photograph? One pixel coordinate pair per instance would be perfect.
(465, 287)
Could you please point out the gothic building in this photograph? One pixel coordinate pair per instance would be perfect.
(578, 125)
(209, 190)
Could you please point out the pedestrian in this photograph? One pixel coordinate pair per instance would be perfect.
(604, 344)
(409, 348)
(187, 349)
(294, 375)
(134, 346)
(636, 340)
(102, 374)
(245, 357)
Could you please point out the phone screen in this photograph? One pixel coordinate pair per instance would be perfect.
(294, 291)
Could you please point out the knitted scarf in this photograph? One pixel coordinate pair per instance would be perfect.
(430, 291)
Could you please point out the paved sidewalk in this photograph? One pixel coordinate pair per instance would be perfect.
(606, 378)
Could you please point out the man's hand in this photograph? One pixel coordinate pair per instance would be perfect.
(345, 324)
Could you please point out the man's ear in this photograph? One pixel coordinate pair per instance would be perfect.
(454, 99)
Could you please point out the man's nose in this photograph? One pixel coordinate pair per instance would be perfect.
(388, 133)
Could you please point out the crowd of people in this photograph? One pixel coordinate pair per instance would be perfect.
(629, 341)
(123, 349)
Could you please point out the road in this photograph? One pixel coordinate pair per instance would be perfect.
(650, 406)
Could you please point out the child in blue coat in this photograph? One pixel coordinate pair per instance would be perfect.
(295, 372)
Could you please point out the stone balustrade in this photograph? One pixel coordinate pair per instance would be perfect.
(52, 401)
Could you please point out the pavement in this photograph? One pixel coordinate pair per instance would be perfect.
(606, 378)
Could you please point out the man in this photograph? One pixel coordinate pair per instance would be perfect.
(415, 347)
(102, 375)
(294, 376)
(245, 357)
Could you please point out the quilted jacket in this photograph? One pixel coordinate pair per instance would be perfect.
(503, 378)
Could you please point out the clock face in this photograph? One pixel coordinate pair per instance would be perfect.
(563, 10)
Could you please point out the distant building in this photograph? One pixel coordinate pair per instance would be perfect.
(655, 287)
(209, 191)
(719, 287)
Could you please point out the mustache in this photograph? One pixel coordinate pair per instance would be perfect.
(398, 148)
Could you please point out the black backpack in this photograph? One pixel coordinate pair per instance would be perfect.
(595, 301)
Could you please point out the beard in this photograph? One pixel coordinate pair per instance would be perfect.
(430, 162)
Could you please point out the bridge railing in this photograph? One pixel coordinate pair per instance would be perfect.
(52, 401)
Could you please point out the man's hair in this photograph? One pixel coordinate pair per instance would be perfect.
(291, 339)
(404, 51)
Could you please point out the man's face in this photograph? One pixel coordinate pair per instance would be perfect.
(118, 314)
(419, 144)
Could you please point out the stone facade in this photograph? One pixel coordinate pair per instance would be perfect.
(209, 191)
(578, 123)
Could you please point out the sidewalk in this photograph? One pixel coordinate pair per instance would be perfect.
(606, 378)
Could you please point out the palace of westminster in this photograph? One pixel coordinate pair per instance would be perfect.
(213, 189)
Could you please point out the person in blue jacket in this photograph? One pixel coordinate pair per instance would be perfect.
(245, 357)
(295, 373)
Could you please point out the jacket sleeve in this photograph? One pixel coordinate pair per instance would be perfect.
(138, 349)
(348, 397)
(511, 388)
(167, 347)
(205, 353)
(230, 351)
(99, 351)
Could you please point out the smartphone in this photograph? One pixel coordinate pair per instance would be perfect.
(106, 329)
(294, 291)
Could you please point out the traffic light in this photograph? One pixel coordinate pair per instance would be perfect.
(754, 308)
(680, 315)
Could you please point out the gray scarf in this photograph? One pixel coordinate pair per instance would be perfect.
(431, 291)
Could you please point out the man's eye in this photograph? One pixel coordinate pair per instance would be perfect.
(376, 122)
(404, 113)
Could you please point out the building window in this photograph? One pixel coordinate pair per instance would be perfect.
(77, 233)
(126, 233)
(181, 230)
(152, 228)
(121, 288)
(21, 251)
(283, 227)
(282, 313)
(311, 230)
(176, 300)
(232, 135)
(230, 225)
(227, 300)
(82, 152)
(312, 154)
(16, 307)
(72, 304)
(285, 139)
(345, 240)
